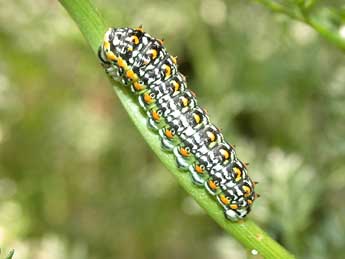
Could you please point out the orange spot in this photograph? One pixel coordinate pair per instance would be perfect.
(111, 56)
(234, 206)
(147, 98)
(238, 173)
(184, 152)
(121, 62)
(198, 169)
(250, 202)
(197, 118)
(155, 116)
(138, 86)
(169, 134)
(224, 199)
(224, 154)
(212, 185)
(161, 41)
(131, 75)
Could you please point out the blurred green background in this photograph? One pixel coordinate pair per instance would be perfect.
(78, 181)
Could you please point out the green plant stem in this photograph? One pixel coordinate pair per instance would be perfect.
(302, 16)
(10, 255)
(246, 232)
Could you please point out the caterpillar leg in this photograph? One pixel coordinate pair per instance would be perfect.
(168, 138)
(101, 56)
(198, 173)
(212, 187)
(183, 156)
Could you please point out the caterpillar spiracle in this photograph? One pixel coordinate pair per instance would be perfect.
(141, 63)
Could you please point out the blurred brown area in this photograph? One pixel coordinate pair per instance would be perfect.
(78, 181)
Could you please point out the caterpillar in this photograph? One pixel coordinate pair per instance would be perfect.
(142, 64)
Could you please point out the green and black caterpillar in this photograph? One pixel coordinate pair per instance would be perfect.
(141, 63)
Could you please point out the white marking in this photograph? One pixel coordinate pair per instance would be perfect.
(254, 252)
(342, 31)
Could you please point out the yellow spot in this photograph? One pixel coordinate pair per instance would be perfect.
(246, 190)
(174, 59)
(135, 40)
(111, 56)
(106, 44)
(131, 75)
(197, 118)
(238, 173)
(199, 169)
(250, 202)
(184, 101)
(211, 136)
(176, 86)
(234, 206)
(224, 199)
(167, 71)
(140, 28)
(153, 53)
(106, 36)
(155, 116)
(225, 154)
(184, 152)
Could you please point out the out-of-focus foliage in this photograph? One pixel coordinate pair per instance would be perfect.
(326, 17)
(77, 180)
